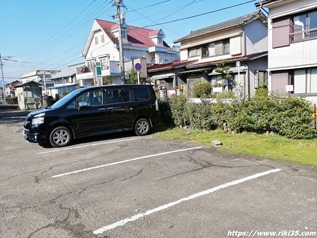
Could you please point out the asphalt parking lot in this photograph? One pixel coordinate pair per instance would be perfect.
(127, 186)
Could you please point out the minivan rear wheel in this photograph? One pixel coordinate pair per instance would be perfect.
(142, 127)
(60, 136)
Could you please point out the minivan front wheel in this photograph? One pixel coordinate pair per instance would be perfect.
(60, 136)
(142, 127)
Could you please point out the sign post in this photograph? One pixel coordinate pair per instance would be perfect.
(98, 79)
(138, 68)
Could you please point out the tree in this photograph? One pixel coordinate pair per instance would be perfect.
(132, 77)
(225, 77)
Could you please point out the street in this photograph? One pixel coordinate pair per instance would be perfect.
(127, 186)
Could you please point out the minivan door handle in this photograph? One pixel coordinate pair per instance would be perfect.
(110, 108)
(101, 109)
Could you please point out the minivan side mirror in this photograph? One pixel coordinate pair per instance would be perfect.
(82, 104)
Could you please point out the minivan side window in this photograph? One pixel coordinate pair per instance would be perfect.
(93, 98)
(117, 95)
(141, 94)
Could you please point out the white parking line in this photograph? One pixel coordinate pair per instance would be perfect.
(89, 145)
(125, 161)
(191, 197)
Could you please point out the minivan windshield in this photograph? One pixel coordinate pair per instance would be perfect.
(61, 102)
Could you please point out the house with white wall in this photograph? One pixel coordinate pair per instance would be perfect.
(43, 77)
(65, 81)
(240, 43)
(292, 47)
(138, 43)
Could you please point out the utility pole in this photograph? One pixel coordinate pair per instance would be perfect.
(3, 86)
(119, 3)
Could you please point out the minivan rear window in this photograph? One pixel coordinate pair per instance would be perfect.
(141, 94)
(117, 95)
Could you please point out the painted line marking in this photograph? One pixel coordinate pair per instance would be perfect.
(125, 161)
(89, 145)
(191, 197)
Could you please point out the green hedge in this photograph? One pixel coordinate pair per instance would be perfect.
(290, 117)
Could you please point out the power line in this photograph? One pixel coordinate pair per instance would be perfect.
(201, 14)
(177, 9)
(53, 37)
(152, 5)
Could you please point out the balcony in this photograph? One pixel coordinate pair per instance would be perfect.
(110, 68)
(303, 35)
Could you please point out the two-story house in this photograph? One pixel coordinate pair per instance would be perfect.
(43, 77)
(240, 43)
(102, 46)
(292, 47)
(65, 81)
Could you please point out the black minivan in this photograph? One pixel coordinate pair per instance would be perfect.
(94, 111)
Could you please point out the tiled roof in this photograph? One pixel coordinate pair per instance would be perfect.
(243, 20)
(137, 36)
(264, 2)
(160, 67)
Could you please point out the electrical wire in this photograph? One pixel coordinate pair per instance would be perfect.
(52, 38)
(201, 14)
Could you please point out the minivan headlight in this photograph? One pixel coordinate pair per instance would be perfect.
(38, 119)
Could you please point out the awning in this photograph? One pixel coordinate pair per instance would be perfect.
(194, 70)
(162, 76)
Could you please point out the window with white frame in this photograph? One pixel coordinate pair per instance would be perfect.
(105, 62)
(102, 38)
(96, 40)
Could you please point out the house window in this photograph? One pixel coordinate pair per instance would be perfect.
(124, 34)
(222, 47)
(213, 49)
(205, 51)
(304, 81)
(89, 65)
(96, 40)
(281, 32)
(208, 50)
(192, 52)
(261, 79)
(304, 26)
(102, 39)
(105, 62)
(159, 40)
(226, 46)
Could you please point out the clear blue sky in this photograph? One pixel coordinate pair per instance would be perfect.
(51, 34)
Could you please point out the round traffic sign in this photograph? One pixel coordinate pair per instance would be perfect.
(138, 67)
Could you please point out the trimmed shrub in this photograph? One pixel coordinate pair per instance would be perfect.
(290, 117)
(166, 115)
(202, 90)
(200, 115)
(179, 110)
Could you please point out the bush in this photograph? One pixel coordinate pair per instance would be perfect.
(290, 117)
(200, 115)
(202, 90)
(178, 110)
(293, 119)
(166, 116)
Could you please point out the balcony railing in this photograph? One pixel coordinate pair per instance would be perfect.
(303, 35)
(111, 69)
